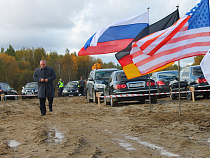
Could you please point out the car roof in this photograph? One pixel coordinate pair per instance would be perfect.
(195, 66)
(109, 69)
(119, 71)
(31, 82)
(73, 81)
(167, 71)
(4, 83)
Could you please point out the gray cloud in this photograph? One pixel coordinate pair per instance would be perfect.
(59, 24)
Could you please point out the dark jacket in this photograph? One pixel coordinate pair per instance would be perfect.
(81, 83)
(45, 87)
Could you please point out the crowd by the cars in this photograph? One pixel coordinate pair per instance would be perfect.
(112, 81)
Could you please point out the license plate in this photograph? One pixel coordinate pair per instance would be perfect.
(134, 85)
(29, 93)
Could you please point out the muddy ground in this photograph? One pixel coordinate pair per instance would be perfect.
(80, 129)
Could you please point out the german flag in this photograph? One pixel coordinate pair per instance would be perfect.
(124, 57)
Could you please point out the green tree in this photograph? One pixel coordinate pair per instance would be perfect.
(198, 59)
(2, 50)
(10, 51)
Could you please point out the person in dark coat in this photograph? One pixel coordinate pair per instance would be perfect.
(45, 76)
(81, 86)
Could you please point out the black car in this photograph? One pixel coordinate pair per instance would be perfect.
(119, 84)
(29, 90)
(70, 89)
(193, 77)
(95, 82)
(7, 90)
(163, 79)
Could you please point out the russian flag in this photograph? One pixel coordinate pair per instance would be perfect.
(115, 36)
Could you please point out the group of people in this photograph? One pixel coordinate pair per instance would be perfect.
(45, 76)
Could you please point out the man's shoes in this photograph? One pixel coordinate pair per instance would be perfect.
(43, 114)
(51, 110)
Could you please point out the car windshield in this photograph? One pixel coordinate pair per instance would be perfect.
(103, 75)
(72, 85)
(167, 75)
(31, 85)
(122, 77)
(8, 87)
(197, 71)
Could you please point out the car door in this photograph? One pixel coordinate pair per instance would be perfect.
(108, 84)
(107, 90)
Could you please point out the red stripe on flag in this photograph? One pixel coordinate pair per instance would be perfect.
(177, 29)
(106, 47)
(172, 60)
(126, 60)
(171, 51)
(202, 34)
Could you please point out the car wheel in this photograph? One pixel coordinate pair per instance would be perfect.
(154, 99)
(88, 97)
(113, 103)
(172, 96)
(106, 101)
(189, 96)
(206, 96)
(95, 99)
(141, 100)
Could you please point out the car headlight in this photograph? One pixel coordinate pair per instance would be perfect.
(64, 91)
(36, 90)
(99, 85)
(22, 91)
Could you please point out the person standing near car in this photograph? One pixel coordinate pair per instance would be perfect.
(60, 87)
(45, 76)
(81, 86)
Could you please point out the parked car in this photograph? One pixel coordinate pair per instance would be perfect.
(70, 89)
(95, 82)
(7, 90)
(119, 84)
(193, 77)
(30, 88)
(163, 79)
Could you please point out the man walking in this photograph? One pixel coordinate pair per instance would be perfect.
(60, 87)
(45, 76)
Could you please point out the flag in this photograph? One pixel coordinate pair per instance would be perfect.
(188, 37)
(205, 66)
(116, 36)
(124, 57)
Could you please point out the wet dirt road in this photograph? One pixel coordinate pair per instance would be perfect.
(81, 130)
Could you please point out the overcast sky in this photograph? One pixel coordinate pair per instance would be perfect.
(59, 24)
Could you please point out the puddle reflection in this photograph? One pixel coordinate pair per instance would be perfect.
(13, 143)
(55, 136)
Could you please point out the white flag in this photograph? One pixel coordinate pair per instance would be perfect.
(205, 66)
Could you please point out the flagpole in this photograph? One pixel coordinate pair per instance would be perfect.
(150, 106)
(179, 79)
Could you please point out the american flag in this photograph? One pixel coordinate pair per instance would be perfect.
(188, 37)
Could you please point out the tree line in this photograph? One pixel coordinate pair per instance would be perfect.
(17, 66)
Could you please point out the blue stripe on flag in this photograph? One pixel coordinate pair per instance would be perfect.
(122, 32)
